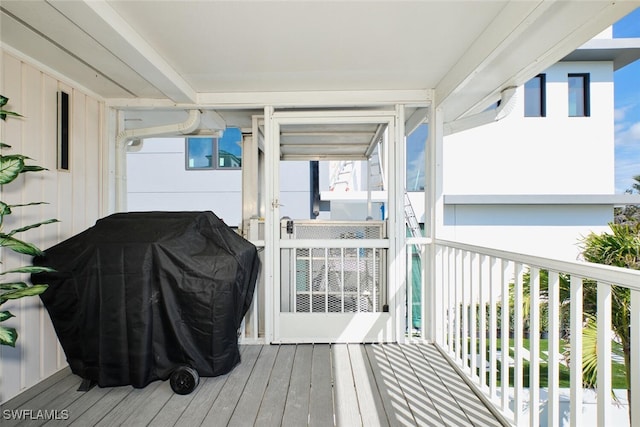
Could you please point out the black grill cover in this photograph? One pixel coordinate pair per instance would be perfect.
(140, 294)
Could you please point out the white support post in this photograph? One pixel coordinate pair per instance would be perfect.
(576, 351)
(398, 233)
(434, 209)
(272, 227)
(604, 353)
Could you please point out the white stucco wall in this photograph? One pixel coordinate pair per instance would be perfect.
(157, 179)
(555, 154)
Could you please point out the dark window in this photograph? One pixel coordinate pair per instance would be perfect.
(535, 97)
(215, 153)
(63, 131)
(579, 95)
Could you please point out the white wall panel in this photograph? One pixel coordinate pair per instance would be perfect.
(74, 198)
(555, 154)
(157, 179)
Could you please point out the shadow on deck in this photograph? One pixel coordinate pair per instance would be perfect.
(286, 385)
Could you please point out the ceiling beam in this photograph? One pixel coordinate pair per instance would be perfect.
(98, 19)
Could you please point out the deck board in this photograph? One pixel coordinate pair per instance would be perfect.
(275, 396)
(423, 408)
(280, 385)
(224, 406)
(296, 410)
(249, 403)
(347, 408)
(321, 412)
(369, 399)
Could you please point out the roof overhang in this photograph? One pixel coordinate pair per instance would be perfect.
(621, 52)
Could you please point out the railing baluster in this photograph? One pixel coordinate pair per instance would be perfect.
(409, 263)
(464, 341)
(634, 332)
(451, 320)
(553, 402)
(342, 279)
(534, 347)
(482, 272)
(504, 330)
(604, 349)
(473, 280)
(576, 350)
(458, 301)
(494, 274)
(518, 343)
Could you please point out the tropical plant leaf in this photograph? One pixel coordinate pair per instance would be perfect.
(3, 100)
(3, 145)
(28, 204)
(4, 315)
(29, 227)
(19, 246)
(12, 286)
(33, 168)
(8, 336)
(590, 354)
(5, 209)
(21, 293)
(10, 167)
(31, 269)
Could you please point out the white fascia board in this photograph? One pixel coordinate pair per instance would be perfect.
(353, 196)
(372, 98)
(241, 100)
(98, 19)
(542, 199)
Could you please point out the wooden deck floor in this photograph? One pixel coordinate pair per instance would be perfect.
(288, 385)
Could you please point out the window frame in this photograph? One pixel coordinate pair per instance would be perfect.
(215, 156)
(586, 95)
(542, 96)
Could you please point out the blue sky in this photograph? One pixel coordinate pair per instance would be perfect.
(627, 109)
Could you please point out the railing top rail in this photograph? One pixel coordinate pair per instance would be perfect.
(624, 277)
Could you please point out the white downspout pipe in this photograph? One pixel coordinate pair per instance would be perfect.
(188, 126)
(506, 105)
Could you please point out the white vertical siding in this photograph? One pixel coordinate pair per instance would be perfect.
(74, 198)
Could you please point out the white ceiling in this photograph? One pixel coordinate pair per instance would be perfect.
(150, 58)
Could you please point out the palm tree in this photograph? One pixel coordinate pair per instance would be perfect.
(629, 214)
(621, 248)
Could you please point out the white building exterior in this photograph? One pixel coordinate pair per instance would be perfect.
(535, 185)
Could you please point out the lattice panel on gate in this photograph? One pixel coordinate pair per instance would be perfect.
(338, 280)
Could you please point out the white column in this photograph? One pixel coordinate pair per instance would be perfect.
(433, 291)
(397, 230)
(272, 225)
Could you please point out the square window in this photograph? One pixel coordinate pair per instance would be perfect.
(230, 149)
(578, 95)
(215, 153)
(200, 153)
(535, 97)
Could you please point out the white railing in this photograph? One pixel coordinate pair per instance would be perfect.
(474, 285)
